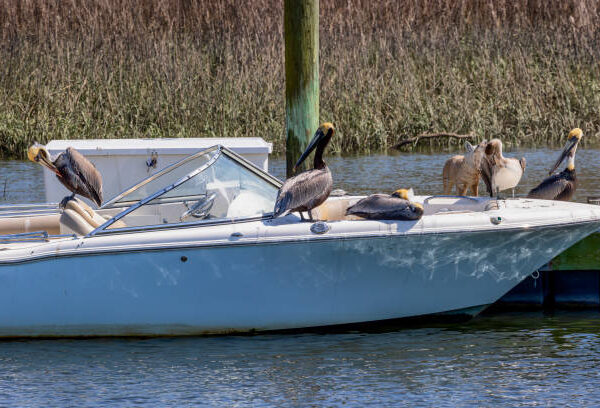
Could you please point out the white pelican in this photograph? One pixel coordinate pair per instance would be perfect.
(500, 173)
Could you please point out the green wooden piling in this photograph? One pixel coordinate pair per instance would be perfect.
(301, 26)
(584, 255)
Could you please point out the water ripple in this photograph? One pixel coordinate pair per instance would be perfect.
(515, 359)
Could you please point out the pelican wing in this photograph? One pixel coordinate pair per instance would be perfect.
(78, 171)
(485, 170)
(385, 207)
(302, 192)
(555, 187)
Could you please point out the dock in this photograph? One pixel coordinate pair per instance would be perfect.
(569, 281)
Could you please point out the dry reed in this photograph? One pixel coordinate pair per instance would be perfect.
(525, 71)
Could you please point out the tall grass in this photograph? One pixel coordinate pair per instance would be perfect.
(522, 70)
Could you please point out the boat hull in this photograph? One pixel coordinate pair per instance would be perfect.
(271, 285)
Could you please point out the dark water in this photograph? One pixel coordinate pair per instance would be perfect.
(506, 360)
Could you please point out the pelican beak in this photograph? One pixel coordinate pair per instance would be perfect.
(319, 135)
(569, 148)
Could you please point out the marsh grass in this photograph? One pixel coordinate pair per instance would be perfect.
(525, 71)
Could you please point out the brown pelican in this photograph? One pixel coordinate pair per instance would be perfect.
(73, 170)
(311, 188)
(463, 171)
(387, 207)
(500, 173)
(561, 186)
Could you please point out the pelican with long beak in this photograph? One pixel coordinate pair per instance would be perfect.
(73, 170)
(310, 188)
(561, 186)
(387, 207)
(500, 173)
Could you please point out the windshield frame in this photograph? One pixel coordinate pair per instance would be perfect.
(114, 202)
(219, 150)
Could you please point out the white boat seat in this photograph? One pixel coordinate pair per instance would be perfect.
(80, 219)
(248, 203)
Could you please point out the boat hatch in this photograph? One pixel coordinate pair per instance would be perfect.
(450, 204)
(213, 186)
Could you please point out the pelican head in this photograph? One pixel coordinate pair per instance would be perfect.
(418, 208)
(407, 194)
(38, 153)
(573, 139)
(321, 137)
(401, 193)
(404, 193)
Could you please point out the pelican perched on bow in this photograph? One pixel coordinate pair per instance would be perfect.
(500, 173)
(311, 188)
(561, 186)
(387, 207)
(73, 170)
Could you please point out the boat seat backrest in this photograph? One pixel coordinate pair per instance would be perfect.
(80, 219)
(335, 210)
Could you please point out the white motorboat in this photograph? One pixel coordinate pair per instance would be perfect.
(194, 249)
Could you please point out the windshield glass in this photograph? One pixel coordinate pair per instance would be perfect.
(163, 178)
(225, 189)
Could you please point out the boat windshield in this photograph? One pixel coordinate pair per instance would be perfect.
(163, 178)
(215, 185)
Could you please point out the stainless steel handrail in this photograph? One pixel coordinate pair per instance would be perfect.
(28, 205)
(21, 210)
(24, 237)
(32, 237)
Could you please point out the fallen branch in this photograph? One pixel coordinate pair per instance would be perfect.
(415, 140)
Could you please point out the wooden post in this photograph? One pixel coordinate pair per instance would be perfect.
(301, 27)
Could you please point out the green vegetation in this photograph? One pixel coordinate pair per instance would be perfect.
(525, 71)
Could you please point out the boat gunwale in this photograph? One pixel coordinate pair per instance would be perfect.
(99, 251)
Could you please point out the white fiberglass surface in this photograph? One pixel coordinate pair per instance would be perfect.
(225, 189)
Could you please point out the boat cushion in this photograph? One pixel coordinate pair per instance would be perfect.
(30, 223)
(80, 219)
(248, 203)
(71, 222)
(335, 210)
